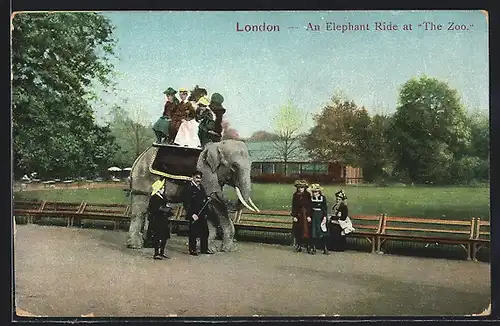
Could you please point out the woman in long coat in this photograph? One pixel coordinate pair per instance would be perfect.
(339, 213)
(301, 208)
(319, 214)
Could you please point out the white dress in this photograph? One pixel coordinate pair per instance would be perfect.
(187, 135)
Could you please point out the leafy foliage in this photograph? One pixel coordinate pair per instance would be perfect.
(288, 125)
(263, 135)
(132, 132)
(429, 131)
(56, 58)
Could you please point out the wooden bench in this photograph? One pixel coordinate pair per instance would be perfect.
(28, 209)
(116, 213)
(56, 210)
(427, 230)
(481, 237)
(367, 227)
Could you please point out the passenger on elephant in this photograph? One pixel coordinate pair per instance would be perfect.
(194, 199)
(162, 125)
(178, 114)
(187, 134)
(159, 213)
(319, 216)
(340, 224)
(217, 108)
(301, 208)
(206, 118)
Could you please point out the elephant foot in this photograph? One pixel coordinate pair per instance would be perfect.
(229, 246)
(135, 243)
(212, 248)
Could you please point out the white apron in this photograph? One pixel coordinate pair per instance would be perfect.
(188, 134)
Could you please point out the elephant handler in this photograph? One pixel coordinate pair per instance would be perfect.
(301, 208)
(195, 200)
(159, 213)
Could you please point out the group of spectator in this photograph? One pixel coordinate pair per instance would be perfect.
(312, 226)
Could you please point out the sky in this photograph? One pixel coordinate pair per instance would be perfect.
(257, 72)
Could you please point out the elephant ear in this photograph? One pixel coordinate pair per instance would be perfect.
(213, 157)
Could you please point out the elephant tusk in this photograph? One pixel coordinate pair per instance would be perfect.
(253, 205)
(240, 197)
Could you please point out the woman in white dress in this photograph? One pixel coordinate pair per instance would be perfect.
(187, 135)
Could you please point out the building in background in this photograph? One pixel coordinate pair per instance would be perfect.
(268, 166)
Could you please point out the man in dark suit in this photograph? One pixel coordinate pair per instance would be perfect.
(195, 200)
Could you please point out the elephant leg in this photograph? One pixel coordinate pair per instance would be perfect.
(135, 236)
(212, 233)
(227, 227)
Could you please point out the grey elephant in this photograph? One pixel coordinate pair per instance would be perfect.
(222, 163)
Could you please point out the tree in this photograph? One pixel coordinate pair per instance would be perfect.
(56, 58)
(133, 133)
(262, 135)
(337, 129)
(289, 122)
(429, 131)
(373, 151)
(229, 132)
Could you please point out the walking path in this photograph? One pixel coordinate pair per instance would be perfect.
(72, 272)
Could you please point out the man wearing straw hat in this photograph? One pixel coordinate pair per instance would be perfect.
(159, 213)
(301, 208)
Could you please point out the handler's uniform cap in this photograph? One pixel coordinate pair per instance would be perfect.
(203, 101)
(157, 185)
(182, 90)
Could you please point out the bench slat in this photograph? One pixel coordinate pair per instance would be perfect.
(395, 228)
(389, 219)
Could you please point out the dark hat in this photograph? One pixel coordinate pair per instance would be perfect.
(341, 194)
(217, 98)
(301, 184)
(170, 91)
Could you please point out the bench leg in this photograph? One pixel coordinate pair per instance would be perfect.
(379, 246)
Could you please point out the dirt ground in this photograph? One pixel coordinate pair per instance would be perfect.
(69, 272)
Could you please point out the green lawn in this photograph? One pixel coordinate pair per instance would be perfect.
(433, 202)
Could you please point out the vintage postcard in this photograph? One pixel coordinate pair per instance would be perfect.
(330, 164)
